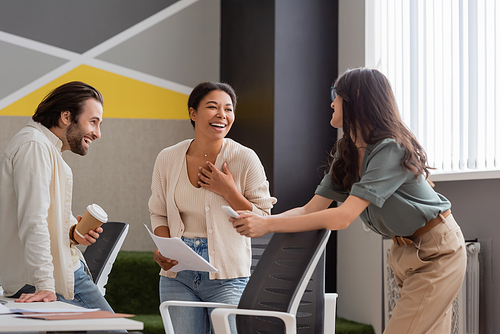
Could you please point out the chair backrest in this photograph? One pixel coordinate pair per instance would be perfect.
(101, 255)
(259, 245)
(280, 279)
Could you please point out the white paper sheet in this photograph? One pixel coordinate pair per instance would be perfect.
(4, 310)
(28, 309)
(176, 249)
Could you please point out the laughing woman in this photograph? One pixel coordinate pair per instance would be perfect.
(192, 180)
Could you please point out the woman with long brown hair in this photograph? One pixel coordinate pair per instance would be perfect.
(379, 172)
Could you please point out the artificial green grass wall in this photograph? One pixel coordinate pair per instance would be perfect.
(344, 326)
(133, 284)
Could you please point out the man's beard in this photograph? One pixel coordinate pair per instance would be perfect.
(74, 136)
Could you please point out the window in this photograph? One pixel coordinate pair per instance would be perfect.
(442, 58)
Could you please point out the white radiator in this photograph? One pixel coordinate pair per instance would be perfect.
(465, 316)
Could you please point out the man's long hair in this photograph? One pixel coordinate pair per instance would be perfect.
(71, 97)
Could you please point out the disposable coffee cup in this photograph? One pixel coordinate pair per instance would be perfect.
(94, 217)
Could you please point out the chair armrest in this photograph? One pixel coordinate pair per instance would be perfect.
(165, 315)
(330, 312)
(220, 320)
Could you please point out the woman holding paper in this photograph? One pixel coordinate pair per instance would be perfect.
(192, 180)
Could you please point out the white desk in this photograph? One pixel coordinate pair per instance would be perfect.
(11, 324)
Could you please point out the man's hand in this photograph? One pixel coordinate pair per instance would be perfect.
(89, 238)
(40, 296)
(250, 224)
(164, 262)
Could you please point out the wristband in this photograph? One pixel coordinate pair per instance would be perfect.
(72, 235)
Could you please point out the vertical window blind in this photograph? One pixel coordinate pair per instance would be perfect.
(442, 58)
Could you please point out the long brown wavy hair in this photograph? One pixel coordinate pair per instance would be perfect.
(370, 106)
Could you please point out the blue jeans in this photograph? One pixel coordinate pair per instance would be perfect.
(196, 286)
(87, 294)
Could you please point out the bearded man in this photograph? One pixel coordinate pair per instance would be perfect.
(39, 260)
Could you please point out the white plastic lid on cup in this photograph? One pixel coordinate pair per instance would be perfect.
(98, 213)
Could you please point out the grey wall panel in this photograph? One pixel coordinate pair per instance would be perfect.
(247, 63)
(306, 65)
(20, 66)
(9, 126)
(183, 48)
(74, 25)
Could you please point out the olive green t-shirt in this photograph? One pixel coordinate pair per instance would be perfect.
(400, 203)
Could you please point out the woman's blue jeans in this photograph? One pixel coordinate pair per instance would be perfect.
(196, 286)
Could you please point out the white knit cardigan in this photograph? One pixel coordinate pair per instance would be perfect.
(229, 252)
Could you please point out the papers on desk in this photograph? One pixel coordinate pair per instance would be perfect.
(35, 309)
(4, 310)
(74, 315)
(176, 249)
(47, 313)
(28, 309)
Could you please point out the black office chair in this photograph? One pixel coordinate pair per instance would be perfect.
(274, 290)
(101, 255)
(311, 311)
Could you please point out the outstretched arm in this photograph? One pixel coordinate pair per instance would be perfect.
(314, 215)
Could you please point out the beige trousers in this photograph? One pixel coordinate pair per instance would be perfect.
(429, 280)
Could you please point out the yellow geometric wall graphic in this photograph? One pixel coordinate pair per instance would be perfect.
(123, 97)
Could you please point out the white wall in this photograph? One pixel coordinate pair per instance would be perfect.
(359, 262)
